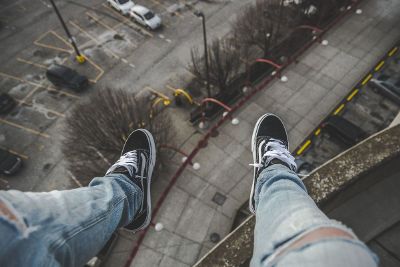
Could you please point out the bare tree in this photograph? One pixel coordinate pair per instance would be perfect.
(97, 129)
(224, 63)
(265, 24)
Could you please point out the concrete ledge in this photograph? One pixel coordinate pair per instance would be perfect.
(326, 181)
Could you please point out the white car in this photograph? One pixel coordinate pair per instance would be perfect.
(145, 17)
(123, 6)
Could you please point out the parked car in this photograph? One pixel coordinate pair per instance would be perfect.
(9, 163)
(7, 103)
(345, 131)
(388, 86)
(145, 17)
(122, 6)
(65, 77)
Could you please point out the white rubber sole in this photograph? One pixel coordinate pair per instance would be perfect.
(253, 150)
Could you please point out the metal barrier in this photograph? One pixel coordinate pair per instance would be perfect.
(235, 121)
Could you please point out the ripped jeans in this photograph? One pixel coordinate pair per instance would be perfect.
(64, 228)
(285, 213)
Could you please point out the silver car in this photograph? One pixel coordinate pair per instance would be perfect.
(145, 17)
(122, 6)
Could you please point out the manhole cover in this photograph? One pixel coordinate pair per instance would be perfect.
(219, 198)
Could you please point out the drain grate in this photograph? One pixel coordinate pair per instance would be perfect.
(219, 198)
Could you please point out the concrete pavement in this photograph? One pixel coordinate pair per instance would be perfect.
(323, 76)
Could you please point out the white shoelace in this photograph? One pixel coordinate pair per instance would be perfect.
(128, 161)
(274, 149)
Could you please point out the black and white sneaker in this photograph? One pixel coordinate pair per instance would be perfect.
(137, 161)
(269, 145)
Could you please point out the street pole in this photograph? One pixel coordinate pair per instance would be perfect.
(201, 15)
(79, 57)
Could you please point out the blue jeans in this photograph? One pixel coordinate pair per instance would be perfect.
(67, 228)
(64, 228)
(285, 213)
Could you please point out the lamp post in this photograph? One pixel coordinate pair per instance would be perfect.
(79, 57)
(201, 15)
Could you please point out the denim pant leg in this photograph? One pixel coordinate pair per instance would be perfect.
(284, 212)
(65, 228)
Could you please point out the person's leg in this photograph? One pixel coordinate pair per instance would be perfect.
(290, 229)
(67, 228)
(285, 214)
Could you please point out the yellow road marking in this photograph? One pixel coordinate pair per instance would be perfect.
(340, 108)
(350, 97)
(93, 39)
(317, 132)
(108, 27)
(16, 153)
(170, 87)
(38, 43)
(48, 88)
(379, 66)
(31, 63)
(96, 19)
(16, 125)
(129, 22)
(101, 71)
(393, 51)
(156, 92)
(304, 147)
(68, 44)
(364, 82)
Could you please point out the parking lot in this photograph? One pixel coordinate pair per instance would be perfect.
(365, 107)
(113, 45)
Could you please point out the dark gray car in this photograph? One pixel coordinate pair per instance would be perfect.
(65, 77)
(9, 163)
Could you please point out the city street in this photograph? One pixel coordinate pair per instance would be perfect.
(120, 54)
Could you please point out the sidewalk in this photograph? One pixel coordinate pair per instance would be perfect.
(323, 76)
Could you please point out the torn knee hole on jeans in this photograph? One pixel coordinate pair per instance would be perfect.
(10, 215)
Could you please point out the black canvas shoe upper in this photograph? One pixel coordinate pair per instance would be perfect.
(137, 162)
(269, 146)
